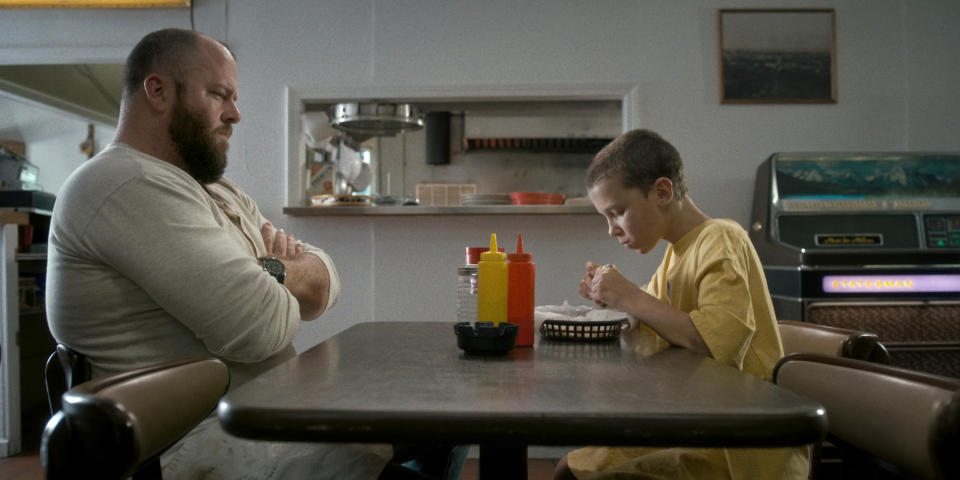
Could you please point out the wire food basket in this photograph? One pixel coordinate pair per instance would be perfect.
(582, 331)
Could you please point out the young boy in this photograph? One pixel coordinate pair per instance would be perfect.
(708, 295)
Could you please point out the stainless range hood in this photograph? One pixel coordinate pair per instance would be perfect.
(374, 119)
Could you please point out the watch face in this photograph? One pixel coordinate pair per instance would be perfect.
(275, 268)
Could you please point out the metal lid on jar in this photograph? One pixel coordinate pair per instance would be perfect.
(469, 269)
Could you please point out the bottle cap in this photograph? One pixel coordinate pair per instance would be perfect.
(493, 255)
(520, 255)
(473, 254)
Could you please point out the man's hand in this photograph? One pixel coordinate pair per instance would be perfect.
(280, 244)
(307, 277)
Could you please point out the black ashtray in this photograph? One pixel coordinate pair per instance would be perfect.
(483, 338)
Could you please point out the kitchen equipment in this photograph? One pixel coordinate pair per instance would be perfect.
(317, 128)
(343, 186)
(384, 200)
(376, 119)
(16, 172)
(536, 198)
(564, 126)
(438, 138)
(578, 201)
(363, 179)
(476, 199)
(348, 162)
(443, 194)
(340, 200)
(868, 242)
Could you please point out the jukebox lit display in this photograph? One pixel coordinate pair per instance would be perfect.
(866, 241)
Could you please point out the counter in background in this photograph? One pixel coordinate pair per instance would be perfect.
(457, 210)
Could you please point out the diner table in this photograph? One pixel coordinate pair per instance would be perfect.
(409, 383)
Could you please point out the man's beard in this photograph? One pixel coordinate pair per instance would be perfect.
(197, 145)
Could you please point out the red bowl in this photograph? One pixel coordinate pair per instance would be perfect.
(536, 198)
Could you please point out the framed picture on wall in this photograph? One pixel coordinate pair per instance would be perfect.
(93, 3)
(778, 56)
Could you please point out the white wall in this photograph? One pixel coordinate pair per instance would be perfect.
(896, 91)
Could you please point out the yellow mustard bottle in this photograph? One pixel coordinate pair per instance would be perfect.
(492, 285)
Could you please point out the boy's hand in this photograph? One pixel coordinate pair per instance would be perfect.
(586, 283)
(608, 287)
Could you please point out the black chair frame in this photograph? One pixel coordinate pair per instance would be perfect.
(64, 370)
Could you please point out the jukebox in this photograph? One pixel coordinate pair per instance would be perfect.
(868, 242)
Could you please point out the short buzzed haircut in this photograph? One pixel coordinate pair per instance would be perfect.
(168, 51)
(637, 159)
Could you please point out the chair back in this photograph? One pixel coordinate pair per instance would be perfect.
(65, 369)
(110, 426)
(805, 337)
(906, 418)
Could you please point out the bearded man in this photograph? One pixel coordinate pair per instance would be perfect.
(153, 256)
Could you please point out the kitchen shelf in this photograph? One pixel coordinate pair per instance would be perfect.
(456, 210)
(555, 145)
(38, 211)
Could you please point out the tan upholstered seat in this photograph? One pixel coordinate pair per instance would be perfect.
(110, 426)
(805, 337)
(908, 419)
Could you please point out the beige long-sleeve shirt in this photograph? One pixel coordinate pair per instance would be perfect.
(146, 264)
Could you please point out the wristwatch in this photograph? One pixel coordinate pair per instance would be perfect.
(274, 267)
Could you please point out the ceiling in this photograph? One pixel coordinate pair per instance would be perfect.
(91, 91)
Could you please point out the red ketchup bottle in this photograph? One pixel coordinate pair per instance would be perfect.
(521, 279)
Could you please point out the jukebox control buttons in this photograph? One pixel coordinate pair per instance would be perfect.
(943, 231)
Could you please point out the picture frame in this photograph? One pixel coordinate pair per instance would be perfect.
(777, 55)
(94, 3)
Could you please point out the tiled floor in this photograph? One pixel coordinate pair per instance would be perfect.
(25, 466)
(537, 469)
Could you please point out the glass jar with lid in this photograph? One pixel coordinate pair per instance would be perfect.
(467, 293)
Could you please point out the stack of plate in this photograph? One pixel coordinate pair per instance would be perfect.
(475, 199)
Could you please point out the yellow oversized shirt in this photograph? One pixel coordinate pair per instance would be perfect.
(712, 273)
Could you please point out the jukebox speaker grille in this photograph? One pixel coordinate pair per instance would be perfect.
(920, 335)
(893, 322)
(941, 361)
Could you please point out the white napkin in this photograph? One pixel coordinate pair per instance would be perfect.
(581, 313)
